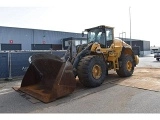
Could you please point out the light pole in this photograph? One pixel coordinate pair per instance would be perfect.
(122, 35)
(130, 24)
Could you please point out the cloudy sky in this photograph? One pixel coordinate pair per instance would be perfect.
(76, 15)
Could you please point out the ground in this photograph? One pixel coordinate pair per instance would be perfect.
(136, 94)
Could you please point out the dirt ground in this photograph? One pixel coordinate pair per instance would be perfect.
(144, 78)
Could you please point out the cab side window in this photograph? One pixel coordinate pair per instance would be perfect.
(109, 34)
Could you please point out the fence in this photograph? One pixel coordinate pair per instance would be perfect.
(13, 64)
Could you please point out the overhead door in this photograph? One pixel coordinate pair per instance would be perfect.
(4, 65)
(11, 47)
(136, 50)
(41, 46)
(56, 46)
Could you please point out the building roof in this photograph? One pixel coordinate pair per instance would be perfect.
(36, 29)
(128, 39)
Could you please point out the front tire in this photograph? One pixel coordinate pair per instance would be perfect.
(91, 71)
(126, 68)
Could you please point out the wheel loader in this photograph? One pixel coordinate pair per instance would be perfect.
(50, 77)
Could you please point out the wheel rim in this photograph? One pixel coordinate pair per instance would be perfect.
(96, 71)
(129, 65)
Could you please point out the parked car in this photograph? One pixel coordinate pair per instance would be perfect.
(157, 55)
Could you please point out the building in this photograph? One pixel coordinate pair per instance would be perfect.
(12, 38)
(141, 46)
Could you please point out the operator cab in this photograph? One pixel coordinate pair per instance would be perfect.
(100, 34)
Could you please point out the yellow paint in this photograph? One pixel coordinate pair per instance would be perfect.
(112, 53)
(96, 71)
(136, 59)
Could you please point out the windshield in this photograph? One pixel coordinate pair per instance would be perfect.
(96, 35)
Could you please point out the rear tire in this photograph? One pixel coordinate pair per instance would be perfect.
(91, 71)
(126, 68)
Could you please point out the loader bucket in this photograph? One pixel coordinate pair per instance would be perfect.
(48, 78)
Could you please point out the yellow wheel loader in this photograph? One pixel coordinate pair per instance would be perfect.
(50, 77)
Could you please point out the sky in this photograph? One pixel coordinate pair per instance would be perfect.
(77, 15)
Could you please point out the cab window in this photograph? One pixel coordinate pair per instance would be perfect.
(109, 34)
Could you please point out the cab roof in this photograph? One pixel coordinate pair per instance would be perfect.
(101, 26)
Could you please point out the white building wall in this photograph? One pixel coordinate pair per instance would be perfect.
(144, 53)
